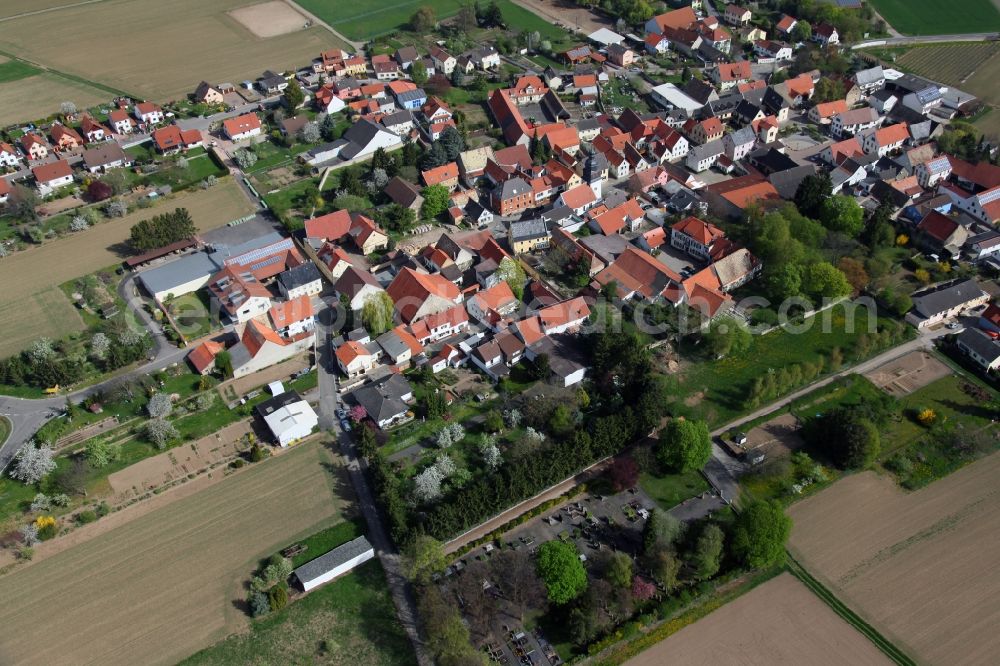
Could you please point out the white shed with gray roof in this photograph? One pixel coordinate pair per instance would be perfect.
(338, 561)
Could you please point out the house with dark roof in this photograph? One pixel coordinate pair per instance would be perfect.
(301, 280)
(385, 401)
(940, 302)
(108, 155)
(404, 193)
(981, 348)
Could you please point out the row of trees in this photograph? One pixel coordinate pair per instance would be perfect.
(163, 229)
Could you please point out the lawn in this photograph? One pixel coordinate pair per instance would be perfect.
(35, 97)
(45, 312)
(13, 70)
(670, 490)
(919, 454)
(349, 621)
(717, 390)
(193, 314)
(928, 17)
(360, 21)
(326, 540)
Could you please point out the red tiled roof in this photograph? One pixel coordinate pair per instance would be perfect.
(241, 124)
(937, 226)
(51, 171)
(257, 333)
(735, 71)
(636, 271)
(440, 174)
(289, 312)
(410, 289)
(704, 232)
(679, 18)
(579, 196)
(612, 221)
(351, 350)
(496, 297)
(332, 226)
(897, 133)
(452, 316)
(202, 356)
(983, 174)
(560, 314)
(829, 109)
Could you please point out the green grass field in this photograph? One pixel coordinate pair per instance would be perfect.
(928, 17)
(670, 490)
(349, 621)
(716, 390)
(13, 70)
(360, 21)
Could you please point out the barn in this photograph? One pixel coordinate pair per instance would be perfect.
(338, 561)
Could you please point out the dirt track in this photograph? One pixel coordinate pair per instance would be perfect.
(780, 622)
(920, 567)
(161, 587)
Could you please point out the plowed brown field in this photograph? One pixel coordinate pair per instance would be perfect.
(781, 622)
(920, 567)
(165, 585)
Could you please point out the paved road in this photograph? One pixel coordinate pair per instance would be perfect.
(28, 415)
(359, 47)
(378, 535)
(722, 471)
(927, 39)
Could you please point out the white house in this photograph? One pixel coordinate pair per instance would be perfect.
(242, 127)
(443, 60)
(52, 176)
(338, 561)
(288, 417)
(149, 113)
(9, 156)
(303, 280)
(294, 317)
(701, 158)
(883, 141)
(354, 359)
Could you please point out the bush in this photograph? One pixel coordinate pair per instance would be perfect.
(259, 604)
(277, 597)
(86, 516)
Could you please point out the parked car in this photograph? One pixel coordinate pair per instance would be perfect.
(341, 414)
(953, 325)
(345, 425)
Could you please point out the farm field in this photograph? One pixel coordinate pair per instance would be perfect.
(744, 632)
(972, 67)
(204, 42)
(349, 621)
(919, 567)
(169, 583)
(46, 312)
(31, 273)
(14, 7)
(927, 17)
(360, 21)
(39, 96)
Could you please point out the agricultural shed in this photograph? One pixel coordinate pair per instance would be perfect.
(338, 561)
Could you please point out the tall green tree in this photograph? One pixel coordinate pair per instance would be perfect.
(436, 201)
(294, 97)
(842, 213)
(707, 555)
(824, 280)
(561, 570)
(812, 192)
(418, 73)
(423, 20)
(760, 534)
(377, 313)
(726, 336)
(684, 445)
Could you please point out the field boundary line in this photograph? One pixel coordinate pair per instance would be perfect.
(49, 9)
(840, 608)
(71, 77)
